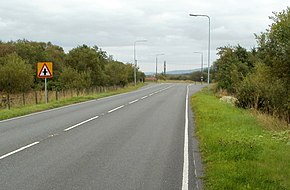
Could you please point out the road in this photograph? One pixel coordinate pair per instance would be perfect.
(135, 140)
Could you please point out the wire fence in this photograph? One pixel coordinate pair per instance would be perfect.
(8, 101)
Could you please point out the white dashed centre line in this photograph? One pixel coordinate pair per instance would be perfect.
(18, 150)
(134, 101)
(144, 97)
(81, 123)
(116, 109)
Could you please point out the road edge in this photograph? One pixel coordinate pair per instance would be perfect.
(196, 165)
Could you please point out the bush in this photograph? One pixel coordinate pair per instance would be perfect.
(264, 93)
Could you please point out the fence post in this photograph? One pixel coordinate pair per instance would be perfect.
(56, 95)
(35, 93)
(8, 98)
(23, 98)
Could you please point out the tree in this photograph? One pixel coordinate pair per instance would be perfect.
(274, 51)
(33, 52)
(15, 75)
(196, 76)
(117, 74)
(84, 58)
(233, 65)
(274, 44)
(141, 76)
(261, 78)
(70, 78)
(6, 49)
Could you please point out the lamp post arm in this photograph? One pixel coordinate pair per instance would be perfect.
(208, 59)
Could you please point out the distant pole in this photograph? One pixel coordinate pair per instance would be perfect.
(156, 62)
(164, 68)
(135, 61)
(201, 67)
(208, 52)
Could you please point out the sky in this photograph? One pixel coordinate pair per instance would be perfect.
(115, 25)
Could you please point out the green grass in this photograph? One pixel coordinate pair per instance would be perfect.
(237, 151)
(14, 112)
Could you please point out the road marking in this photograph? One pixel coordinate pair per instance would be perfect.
(136, 91)
(46, 111)
(195, 172)
(53, 135)
(185, 151)
(116, 109)
(18, 150)
(144, 97)
(76, 104)
(151, 94)
(81, 123)
(134, 101)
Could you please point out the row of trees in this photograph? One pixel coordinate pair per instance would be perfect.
(259, 78)
(82, 67)
(193, 76)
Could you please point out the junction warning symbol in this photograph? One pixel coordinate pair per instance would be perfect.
(44, 70)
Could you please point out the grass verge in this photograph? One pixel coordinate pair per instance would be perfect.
(238, 152)
(14, 112)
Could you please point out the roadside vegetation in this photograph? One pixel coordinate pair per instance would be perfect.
(240, 149)
(243, 122)
(189, 77)
(81, 69)
(259, 78)
(19, 111)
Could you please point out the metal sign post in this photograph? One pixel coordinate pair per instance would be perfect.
(45, 90)
(44, 70)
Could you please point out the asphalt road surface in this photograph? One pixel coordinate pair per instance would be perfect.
(137, 140)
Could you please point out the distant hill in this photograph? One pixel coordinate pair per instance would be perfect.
(175, 72)
(180, 72)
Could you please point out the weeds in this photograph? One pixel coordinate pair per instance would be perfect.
(238, 152)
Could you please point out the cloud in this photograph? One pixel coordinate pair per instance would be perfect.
(114, 25)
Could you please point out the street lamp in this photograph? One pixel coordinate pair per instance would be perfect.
(208, 53)
(156, 61)
(201, 68)
(135, 61)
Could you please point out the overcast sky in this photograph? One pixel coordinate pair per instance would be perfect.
(114, 26)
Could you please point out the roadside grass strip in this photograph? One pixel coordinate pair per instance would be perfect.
(20, 111)
(237, 150)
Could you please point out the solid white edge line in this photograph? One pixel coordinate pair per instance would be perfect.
(185, 151)
(18, 150)
(134, 101)
(81, 123)
(115, 109)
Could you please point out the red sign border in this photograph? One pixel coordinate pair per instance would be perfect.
(42, 77)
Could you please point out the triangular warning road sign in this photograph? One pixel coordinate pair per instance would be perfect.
(44, 72)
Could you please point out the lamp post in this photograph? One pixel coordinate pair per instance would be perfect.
(135, 61)
(201, 68)
(156, 61)
(208, 53)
